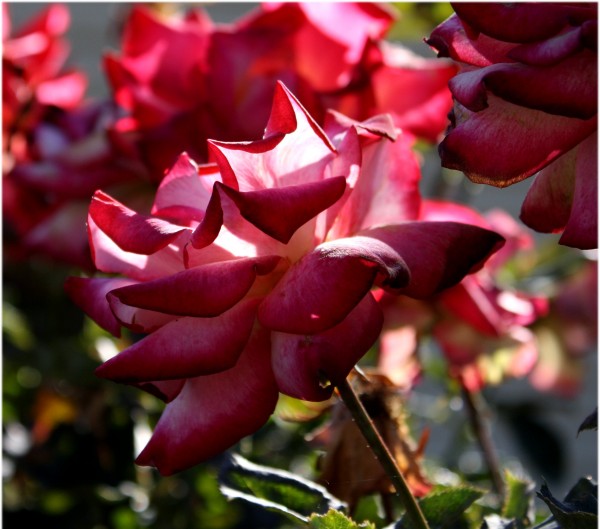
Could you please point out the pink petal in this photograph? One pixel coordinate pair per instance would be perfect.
(441, 210)
(110, 258)
(548, 202)
(551, 51)
(449, 39)
(212, 413)
(321, 289)
(90, 296)
(279, 212)
(581, 230)
(309, 366)
(444, 252)
(387, 189)
(520, 22)
(135, 319)
(131, 231)
(567, 88)
(185, 348)
(204, 291)
(286, 156)
(507, 143)
(186, 187)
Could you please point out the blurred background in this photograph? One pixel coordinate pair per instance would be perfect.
(69, 439)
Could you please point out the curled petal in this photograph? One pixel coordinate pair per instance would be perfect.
(309, 366)
(321, 289)
(521, 22)
(568, 88)
(204, 291)
(213, 412)
(437, 254)
(185, 348)
(90, 296)
(513, 142)
(279, 212)
(131, 231)
(582, 228)
(449, 39)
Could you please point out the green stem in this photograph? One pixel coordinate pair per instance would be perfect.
(381, 452)
(475, 408)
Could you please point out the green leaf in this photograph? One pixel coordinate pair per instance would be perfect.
(443, 507)
(579, 510)
(336, 520)
(275, 489)
(518, 503)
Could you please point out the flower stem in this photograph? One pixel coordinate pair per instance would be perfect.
(381, 452)
(475, 404)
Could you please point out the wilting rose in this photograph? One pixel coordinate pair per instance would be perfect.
(526, 104)
(185, 79)
(481, 327)
(253, 276)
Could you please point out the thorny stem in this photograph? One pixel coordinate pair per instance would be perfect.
(381, 452)
(475, 404)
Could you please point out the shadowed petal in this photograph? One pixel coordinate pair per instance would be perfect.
(309, 366)
(212, 413)
(437, 254)
(131, 231)
(185, 348)
(321, 289)
(203, 291)
(520, 22)
(512, 142)
(90, 296)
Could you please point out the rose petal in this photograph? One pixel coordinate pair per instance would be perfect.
(279, 212)
(520, 22)
(204, 291)
(449, 39)
(90, 296)
(437, 254)
(184, 348)
(582, 228)
(512, 142)
(131, 231)
(303, 364)
(555, 89)
(321, 289)
(212, 413)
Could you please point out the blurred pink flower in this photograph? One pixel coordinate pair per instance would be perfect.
(34, 78)
(481, 326)
(184, 79)
(526, 104)
(253, 276)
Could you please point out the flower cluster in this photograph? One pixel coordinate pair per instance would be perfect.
(185, 80)
(526, 104)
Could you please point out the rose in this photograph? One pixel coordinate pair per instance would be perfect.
(185, 79)
(33, 75)
(481, 325)
(526, 103)
(253, 276)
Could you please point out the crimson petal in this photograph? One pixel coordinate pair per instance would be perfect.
(185, 348)
(309, 366)
(131, 231)
(213, 412)
(321, 289)
(204, 291)
(90, 296)
(437, 254)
